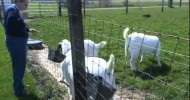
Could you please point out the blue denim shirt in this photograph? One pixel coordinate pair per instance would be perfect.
(13, 23)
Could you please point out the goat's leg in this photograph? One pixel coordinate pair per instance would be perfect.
(127, 58)
(63, 80)
(141, 58)
(113, 83)
(64, 74)
(133, 59)
(126, 51)
(71, 86)
(157, 58)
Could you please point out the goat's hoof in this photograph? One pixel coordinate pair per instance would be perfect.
(64, 82)
(159, 65)
(127, 65)
(134, 70)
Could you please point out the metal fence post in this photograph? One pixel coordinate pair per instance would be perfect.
(180, 3)
(126, 2)
(2, 10)
(162, 5)
(40, 8)
(77, 47)
(59, 8)
(84, 7)
(170, 3)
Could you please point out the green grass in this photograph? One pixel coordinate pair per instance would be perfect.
(165, 22)
(169, 82)
(170, 22)
(51, 8)
(133, 4)
(40, 84)
(6, 89)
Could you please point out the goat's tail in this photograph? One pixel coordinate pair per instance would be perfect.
(125, 33)
(60, 43)
(101, 44)
(110, 64)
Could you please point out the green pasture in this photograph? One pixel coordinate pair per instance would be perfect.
(38, 82)
(6, 91)
(171, 82)
(108, 25)
(170, 22)
(51, 8)
(36, 5)
(131, 4)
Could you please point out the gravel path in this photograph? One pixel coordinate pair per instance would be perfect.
(41, 56)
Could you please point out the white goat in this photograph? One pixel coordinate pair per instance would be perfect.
(140, 44)
(95, 65)
(65, 45)
(90, 47)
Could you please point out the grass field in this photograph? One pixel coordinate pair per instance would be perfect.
(170, 82)
(172, 24)
(6, 90)
(39, 83)
(51, 8)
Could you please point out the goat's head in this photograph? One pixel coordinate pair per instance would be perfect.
(65, 45)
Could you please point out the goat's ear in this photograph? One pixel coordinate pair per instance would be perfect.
(110, 64)
(59, 47)
(103, 43)
(59, 43)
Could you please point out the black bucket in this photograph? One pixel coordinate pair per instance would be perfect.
(56, 55)
(98, 88)
(34, 44)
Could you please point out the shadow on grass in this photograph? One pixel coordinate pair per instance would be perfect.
(29, 97)
(153, 70)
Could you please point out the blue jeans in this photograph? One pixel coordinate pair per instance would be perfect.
(17, 48)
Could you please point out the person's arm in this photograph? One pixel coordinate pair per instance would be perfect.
(33, 30)
(24, 16)
(14, 22)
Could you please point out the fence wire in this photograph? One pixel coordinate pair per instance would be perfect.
(173, 54)
(151, 81)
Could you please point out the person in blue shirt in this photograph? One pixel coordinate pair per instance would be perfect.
(16, 32)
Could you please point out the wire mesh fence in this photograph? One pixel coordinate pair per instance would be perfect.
(153, 71)
(150, 81)
(58, 7)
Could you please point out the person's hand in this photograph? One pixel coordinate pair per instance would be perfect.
(24, 15)
(33, 30)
